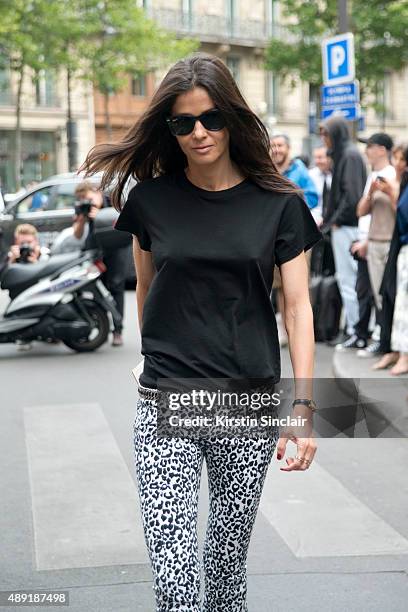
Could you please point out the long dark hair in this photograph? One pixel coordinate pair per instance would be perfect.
(148, 149)
(404, 178)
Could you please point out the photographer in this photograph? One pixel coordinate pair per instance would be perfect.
(89, 200)
(26, 247)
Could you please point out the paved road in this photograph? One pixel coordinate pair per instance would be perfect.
(332, 538)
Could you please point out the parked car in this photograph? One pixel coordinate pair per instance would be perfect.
(49, 206)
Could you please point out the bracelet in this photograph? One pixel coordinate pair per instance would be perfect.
(306, 402)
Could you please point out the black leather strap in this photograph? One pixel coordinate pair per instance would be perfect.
(305, 402)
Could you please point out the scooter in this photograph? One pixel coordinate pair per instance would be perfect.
(59, 299)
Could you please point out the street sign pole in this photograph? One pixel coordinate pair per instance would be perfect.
(340, 92)
(343, 26)
(342, 16)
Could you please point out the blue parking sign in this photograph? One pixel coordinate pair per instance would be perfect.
(338, 59)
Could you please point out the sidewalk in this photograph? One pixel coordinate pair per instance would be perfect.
(388, 395)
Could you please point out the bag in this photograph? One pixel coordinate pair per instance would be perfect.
(325, 295)
(327, 308)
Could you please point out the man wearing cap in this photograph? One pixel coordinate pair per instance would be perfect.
(381, 210)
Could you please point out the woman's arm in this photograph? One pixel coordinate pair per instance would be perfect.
(299, 327)
(299, 321)
(145, 272)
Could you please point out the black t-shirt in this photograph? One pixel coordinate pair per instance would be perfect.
(208, 312)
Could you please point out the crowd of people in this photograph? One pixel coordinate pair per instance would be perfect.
(360, 203)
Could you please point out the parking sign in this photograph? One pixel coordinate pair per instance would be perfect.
(338, 59)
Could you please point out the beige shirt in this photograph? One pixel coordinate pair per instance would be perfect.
(382, 213)
(382, 217)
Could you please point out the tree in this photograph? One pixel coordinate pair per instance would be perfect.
(381, 39)
(28, 40)
(121, 42)
(102, 41)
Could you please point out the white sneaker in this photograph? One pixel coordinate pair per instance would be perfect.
(23, 346)
(371, 351)
(354, 342)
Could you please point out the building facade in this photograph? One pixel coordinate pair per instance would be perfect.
(235, 30)
(44, 109)
(124, 108)
(238, 31)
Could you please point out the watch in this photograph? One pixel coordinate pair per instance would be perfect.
(306, 402)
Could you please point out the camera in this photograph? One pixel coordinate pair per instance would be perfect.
(83, 207)
(25, 251)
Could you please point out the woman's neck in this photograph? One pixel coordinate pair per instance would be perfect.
(223, 175)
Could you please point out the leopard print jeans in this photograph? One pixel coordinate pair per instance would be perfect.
(168, 472)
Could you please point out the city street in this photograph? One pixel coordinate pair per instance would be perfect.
(333, 538)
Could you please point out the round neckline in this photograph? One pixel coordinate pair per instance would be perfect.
(208, 193)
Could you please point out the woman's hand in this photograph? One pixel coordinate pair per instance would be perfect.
(303, 438)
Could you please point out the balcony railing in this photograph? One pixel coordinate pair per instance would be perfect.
(217, 28)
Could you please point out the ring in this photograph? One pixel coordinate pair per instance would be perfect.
(303, 459)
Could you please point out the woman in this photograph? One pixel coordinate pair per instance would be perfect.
(393, 326)
(210, 217)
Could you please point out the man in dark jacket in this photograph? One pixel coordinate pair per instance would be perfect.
(349, 179)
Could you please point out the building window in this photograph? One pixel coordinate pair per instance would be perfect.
(314, 100)
(271, 16)
(187, 12)
(231, 14)
(383, 100)
(38, 157)
(139, 85)
(233, 63)
(231, 9)
(187, 6)
(6, 97)
(45, 94)
(271, 93)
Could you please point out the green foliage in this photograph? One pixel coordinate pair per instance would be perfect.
(99, 40)
(116, 39)
(380, 30)
(28, 35)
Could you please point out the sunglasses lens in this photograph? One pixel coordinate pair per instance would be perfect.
(180, 126)
(213, 120)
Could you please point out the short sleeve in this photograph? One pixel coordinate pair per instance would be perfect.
(131, 220)
(297, 230)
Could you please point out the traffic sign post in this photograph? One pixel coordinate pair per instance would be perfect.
(338, 59)
(340, 94)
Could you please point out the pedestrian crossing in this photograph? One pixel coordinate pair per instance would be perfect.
(317, 516)
(86, 511)
(84, 499)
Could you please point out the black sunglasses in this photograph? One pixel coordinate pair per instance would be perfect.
(181, 125)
